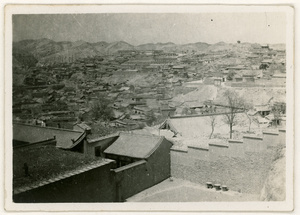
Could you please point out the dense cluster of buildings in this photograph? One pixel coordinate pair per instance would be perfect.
(56, 105)
(64, 92)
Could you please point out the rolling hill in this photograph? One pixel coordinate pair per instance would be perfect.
(30, 52)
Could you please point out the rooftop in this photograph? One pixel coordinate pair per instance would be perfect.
(45, 162)
(33, 133)
(134, 145)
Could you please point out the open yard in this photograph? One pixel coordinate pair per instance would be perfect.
(179, 190)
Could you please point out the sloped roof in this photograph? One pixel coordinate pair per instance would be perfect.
(84, 126)
(262, 108)
(134, 145)
(167, 124)
(252, 112)
(193, 104)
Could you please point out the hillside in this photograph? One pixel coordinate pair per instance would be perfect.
(78, 50)
(46, 50)
(116, 46)
(274, 189)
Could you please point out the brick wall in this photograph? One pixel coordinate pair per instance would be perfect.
(231, 165)
(181, 157)
(270, 138)
(253, 144)
(216, 151)
(91, 184)
(236, 148)
(131, 179)
(140, 175)
(282, 136)
(198, 152)
(231, 149)
(103, 142)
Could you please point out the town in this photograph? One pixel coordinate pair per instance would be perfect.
(126, 118)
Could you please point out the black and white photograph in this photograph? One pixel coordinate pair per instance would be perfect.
(142, 105)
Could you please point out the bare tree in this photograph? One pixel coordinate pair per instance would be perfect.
(101, 110)
(277, 112)
(235, 104)
(250, 121)
(248, 107)
(213, 123)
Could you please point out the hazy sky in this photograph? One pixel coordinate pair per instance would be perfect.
(152, 28)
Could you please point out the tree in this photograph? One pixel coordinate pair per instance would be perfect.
(101, 109)
(230, 76)
(248, 107)
(278, 110)
(235, 104)
(150, 118)
(263, 66)
(213, 123)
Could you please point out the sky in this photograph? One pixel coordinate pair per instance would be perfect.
(136, 29)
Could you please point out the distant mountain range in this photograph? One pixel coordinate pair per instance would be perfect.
(29, 52)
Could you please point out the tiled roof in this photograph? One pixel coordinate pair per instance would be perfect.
(83, 126)
(62, 176)
(103, 137)
(134, 145)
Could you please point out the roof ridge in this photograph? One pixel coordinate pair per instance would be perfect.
(161, 139)
(136, 134)
(103, 137)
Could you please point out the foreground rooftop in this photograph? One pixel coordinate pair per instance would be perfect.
(45, 162)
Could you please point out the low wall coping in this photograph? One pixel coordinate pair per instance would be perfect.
(251, 137)
(235, 141)
(224, 145)
(282, 130)
(62, 176)
(199, 147)
(203, 115)
(103, 138)
(270, 132)
(137, 163)
(179, 150)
